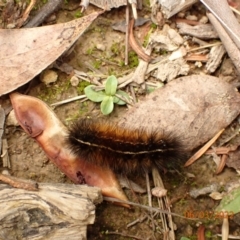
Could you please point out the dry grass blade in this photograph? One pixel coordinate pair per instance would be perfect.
(201, 151)
(68, 100)
(164, 204)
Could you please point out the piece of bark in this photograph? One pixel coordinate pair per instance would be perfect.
(167, 70)
(47, 9)
(56, 211)
(215, 58)
(192, 108)
(203, 31)
(231, 48)
(226, 17)
(172, 7)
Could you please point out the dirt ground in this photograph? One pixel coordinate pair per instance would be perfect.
(28, 161)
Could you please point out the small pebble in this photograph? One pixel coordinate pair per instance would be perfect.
(101, 47)
(203, 20)
(192, 17)
(11, 26)
(159, 192)
(181, 14)
(48, 76)
(6, 172)
(74, 81)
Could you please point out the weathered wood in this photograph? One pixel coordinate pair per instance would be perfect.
(56, 211)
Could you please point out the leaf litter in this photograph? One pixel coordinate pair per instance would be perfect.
(212, 103)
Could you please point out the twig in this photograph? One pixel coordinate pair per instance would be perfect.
(225, 228)
(68, 100)
(19, 183)
(163, 202)
(138, 220)
(202, 150)
(205, 46)
(225, 16)
(124, 99)
(47, 9)
(135, 46)
(133, 94)
(149, 199)
(127, 33)
(110, 199)
(26, 13)
(232, 49)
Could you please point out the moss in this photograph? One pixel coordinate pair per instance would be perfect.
(90, 50)
(50, 93)
(78, 14)
(115, 49)
(97, 64)
(81, 86)
(133, 59)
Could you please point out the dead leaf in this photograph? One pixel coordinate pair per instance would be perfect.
(233, 159)
(26, 52)
(192, 108)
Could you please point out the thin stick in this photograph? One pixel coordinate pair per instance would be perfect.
(110, 199)
(149, 199)
(127, 33)
(68, 100)
(19, 183)
(201, 151)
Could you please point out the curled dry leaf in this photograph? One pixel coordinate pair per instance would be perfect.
(216, 195)
(37, 48)
(192, 108)
(233, 159)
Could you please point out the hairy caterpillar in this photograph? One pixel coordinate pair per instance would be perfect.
(123, 150)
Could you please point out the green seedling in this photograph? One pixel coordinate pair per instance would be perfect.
(108, 96)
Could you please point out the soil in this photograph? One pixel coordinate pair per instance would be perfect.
(28, 161)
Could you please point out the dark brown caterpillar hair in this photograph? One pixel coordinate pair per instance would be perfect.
(123, 150)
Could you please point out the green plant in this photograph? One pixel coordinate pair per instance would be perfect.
(108, 96)
(78, 14)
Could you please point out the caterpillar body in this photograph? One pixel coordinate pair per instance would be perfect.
(123, 150)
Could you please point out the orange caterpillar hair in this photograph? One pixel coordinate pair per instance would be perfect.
(123, 150)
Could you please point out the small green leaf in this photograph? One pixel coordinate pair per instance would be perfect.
(111, 85)
(95, 96)
(123, 95)
(230, 203)
(107, 105)
(184, 238)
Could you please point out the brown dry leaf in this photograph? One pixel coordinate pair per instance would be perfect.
(192, 108)
(26, 52)
(233, 159)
